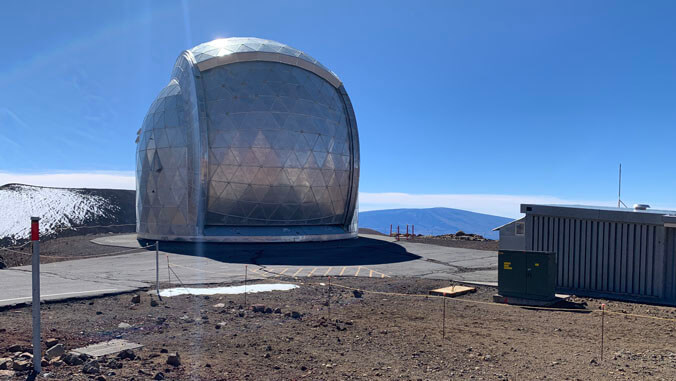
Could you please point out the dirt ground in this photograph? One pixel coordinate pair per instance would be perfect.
(380, 335)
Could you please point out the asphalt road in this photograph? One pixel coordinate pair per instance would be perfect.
(367, 256)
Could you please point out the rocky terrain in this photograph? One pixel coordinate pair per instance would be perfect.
(460, 239)
(388, 330)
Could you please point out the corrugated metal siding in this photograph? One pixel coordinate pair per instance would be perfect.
(670, 266)
(608, 257)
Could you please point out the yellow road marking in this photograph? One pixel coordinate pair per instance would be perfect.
(357, 273)
(341, 272)
(376, 272)
(311, 272)
(327, 271)
(296, 273)
(259, 273)
(370, 273)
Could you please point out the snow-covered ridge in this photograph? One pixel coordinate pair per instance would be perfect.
(58, 209)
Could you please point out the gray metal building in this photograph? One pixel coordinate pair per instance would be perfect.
(250, 141)
(619, 253)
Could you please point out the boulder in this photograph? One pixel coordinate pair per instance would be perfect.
(127, 354)
(51, 342)
(55, 351)
(22, 365)
(174, 359)
(136, 299)
(72, 359)
(258, 308)
(91, 367)
(5, 363)
(18, 348)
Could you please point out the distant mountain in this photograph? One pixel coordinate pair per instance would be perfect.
(63, 211)
(432, 221)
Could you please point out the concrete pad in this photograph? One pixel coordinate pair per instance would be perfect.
(376, 257)
(107, 348)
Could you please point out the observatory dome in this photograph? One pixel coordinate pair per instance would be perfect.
(250, 141)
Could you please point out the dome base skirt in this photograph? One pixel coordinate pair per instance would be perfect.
(223, 234)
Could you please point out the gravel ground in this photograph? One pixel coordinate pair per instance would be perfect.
(375, 336)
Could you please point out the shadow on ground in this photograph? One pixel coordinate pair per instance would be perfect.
(359, 251)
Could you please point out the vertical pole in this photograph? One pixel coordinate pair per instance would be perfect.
(443, 324)
(246, 270)
(390, 230)
(619, 188)
(329, 299)
(168, 271)
(603, 315)
(35, 238)
(413, 230)
(157, 268)
(397, 232)
(406, 231)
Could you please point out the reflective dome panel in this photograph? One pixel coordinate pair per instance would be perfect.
(251, 141)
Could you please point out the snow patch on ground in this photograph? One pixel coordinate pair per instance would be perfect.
(57, 208)
(231, 290)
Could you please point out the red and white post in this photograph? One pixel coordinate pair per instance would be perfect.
(35, 239)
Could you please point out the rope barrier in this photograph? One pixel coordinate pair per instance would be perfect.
(81, 257)
(469, 301)
(64, 229)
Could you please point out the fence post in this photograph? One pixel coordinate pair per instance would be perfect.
(35, 238)
(603, 315)
(157, 268)
(390, 230)
(246, 270)
(397, 232)
(443, 324)
(329, 299)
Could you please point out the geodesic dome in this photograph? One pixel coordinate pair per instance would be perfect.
(251, 141)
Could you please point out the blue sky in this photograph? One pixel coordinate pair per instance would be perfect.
(459, 103)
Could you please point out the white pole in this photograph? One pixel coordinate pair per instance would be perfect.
(157, 267)
(35, 238)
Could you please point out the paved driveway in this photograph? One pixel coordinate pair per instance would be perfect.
(368, 256)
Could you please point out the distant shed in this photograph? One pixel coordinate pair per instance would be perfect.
(618, 253)
(512, 235)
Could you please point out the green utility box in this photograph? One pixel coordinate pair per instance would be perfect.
(527, 274)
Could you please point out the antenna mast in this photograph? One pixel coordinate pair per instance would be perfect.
(619, 188)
